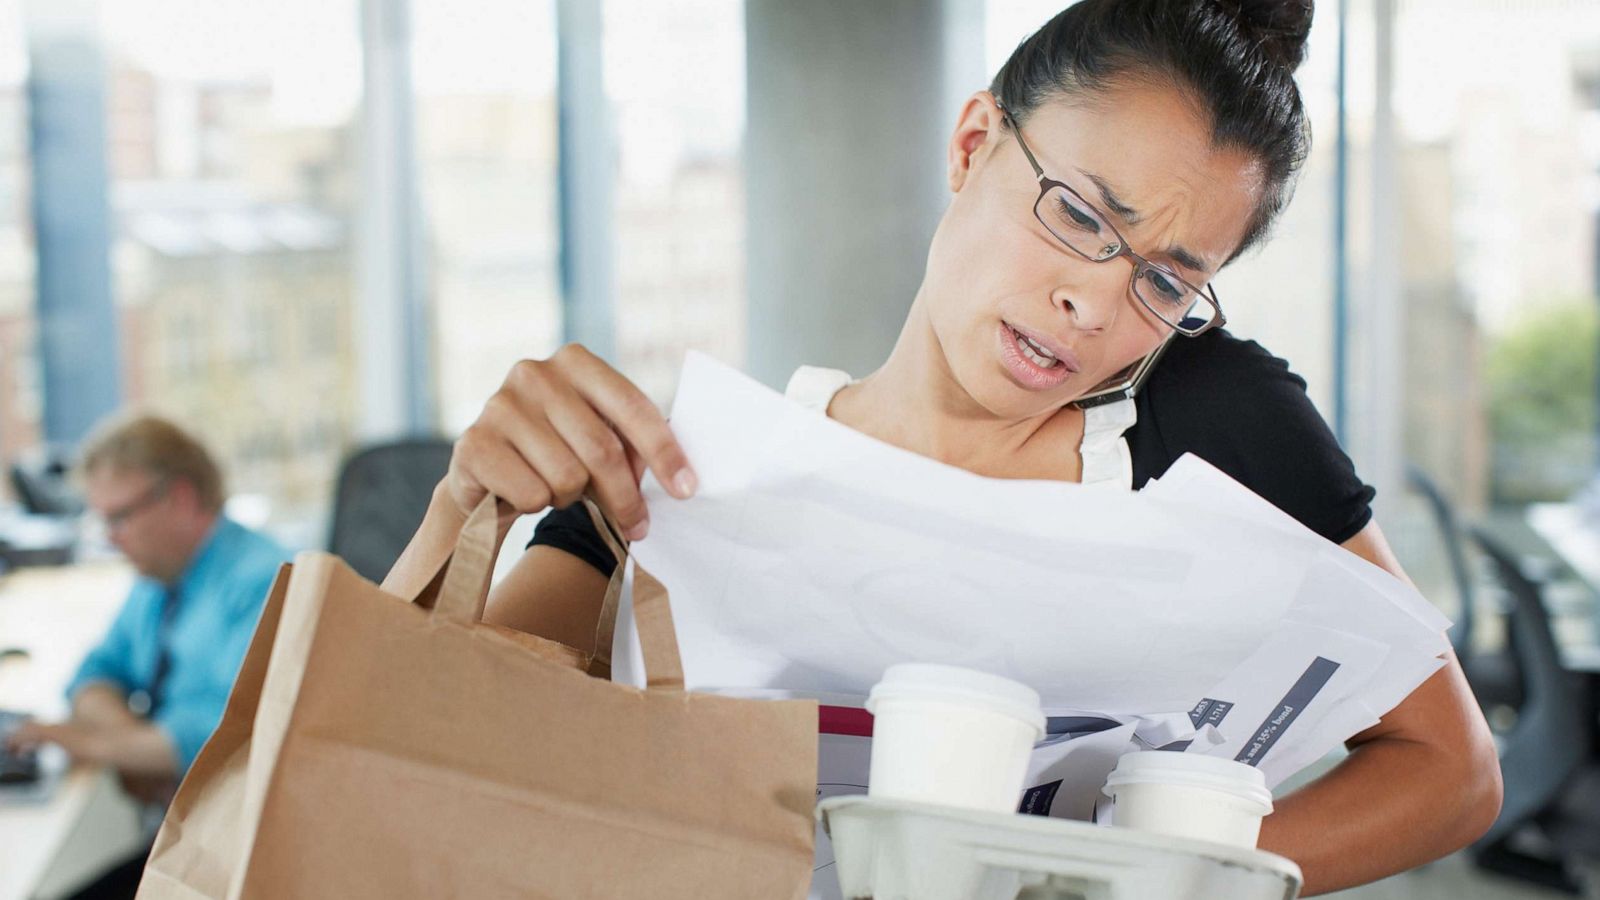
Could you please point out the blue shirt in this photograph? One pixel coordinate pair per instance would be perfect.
(219, 598)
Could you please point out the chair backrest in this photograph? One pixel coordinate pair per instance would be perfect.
(42, 484)
(1444, 518)
(383, 492)
(1551, 737)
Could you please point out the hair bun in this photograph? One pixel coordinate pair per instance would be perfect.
(1278, 27)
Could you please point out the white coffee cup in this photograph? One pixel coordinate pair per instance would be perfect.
(952, 736)
(1188, 795)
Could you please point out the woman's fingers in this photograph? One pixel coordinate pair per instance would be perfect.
(546, 451)
(561, 427)
(486, 460)
(636, 463)
(635, 419)
(605, 457)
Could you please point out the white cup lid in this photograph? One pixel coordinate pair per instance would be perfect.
(1191, 770)
(954, 684)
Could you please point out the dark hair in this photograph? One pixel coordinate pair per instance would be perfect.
(1236, 57)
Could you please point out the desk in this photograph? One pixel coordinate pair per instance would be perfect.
(1576, 540)
(1574, 537)
(57, 615)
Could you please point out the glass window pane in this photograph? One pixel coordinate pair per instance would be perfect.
(1499, 165)
(674, 75)
(20, 402)
(486, 145)
(1497, 109)
(230, 132)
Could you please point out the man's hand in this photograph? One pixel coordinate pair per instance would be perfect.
(81, 741)
(138, 748)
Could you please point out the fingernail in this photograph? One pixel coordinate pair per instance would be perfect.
(685, 482)
(638, 531)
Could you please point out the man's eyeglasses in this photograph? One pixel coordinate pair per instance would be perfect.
(1075, 222)
(118, 517)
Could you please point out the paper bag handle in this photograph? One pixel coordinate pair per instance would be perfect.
(465, 590)
(652, 614)
(605, 628)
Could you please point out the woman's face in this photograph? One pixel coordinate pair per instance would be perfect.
(994, 271)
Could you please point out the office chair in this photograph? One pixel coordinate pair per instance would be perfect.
(382, 495)
(41, 484)
(1545, 757)
(1492, 675)
(1445, 520)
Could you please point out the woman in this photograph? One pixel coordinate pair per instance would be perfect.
(1125, 153)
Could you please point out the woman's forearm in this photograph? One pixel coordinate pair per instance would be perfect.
(1392, 805)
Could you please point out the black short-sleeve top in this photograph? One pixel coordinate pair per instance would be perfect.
(1226, 400)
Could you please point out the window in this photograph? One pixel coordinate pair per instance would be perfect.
(1500, 176)
(674, 75)
(486, 149)
(20, 401)
(230, 141)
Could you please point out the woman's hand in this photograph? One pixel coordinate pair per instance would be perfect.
(562, 427)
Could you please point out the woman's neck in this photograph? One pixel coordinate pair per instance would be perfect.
(914, 401)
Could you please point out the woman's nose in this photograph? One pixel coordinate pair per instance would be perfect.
(1092, 301)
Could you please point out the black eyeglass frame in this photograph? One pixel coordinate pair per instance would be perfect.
(1140, 264)
(118, 517)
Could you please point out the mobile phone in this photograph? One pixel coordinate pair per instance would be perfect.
(1125, 383)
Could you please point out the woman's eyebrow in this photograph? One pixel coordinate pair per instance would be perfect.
(1188, 260)
(1109, 198)
(1128, 214)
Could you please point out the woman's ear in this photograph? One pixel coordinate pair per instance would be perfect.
(978, 126)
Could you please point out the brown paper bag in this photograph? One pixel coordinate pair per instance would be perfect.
(374, 748)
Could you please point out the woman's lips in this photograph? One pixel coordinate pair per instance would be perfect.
(1050, 346)
(1028, 366)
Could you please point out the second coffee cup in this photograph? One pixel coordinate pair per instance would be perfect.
(1190, 796)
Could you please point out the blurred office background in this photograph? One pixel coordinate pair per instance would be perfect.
(304, 227)
(301, 227)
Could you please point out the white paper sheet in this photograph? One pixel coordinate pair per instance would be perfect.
(813, 557)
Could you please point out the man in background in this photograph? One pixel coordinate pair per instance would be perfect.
(147, 698)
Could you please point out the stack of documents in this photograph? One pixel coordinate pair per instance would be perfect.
(1191, 615)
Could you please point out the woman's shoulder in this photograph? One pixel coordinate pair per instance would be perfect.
(1219, 357)
(1233, 403)
(1221, 388)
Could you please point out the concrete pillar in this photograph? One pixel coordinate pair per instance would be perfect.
(1378, 385)
(392, 305)
(849, 108)
(587, 166)
(78, 350)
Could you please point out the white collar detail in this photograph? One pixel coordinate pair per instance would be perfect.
(1106, 457)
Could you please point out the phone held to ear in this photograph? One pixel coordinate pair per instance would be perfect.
(1124, 384)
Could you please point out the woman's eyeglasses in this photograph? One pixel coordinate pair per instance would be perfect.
(1076, 223)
